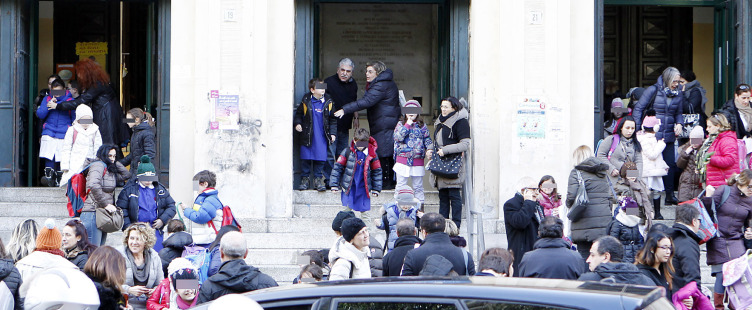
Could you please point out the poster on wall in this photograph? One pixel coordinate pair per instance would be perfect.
(226, 112)
(531, 118)
(96, 51)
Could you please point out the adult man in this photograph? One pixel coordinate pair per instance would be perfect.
(523, 215)
(406, 241)
(350, 260)
(552, 257)
(686, 246)
(343, 89)
(605, 263)
(234, 276)
(432, 225)
(336, 226)
(495, 262)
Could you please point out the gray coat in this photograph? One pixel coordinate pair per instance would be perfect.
(624, 150)
(102, 184)
(597, 215)
(451, 148)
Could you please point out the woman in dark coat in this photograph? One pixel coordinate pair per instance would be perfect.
(381, 99)
(76, 245)
(597, 214)
(102, 99)
(739, 112)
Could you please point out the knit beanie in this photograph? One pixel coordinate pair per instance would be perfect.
(650, 122)
(83, 110)
(405, 196)
(145, 167)
(628, 203)
(412, 103)
(617, 103)
(351, 227)
(183, 274)
(49, 237)
(177, 264)
(697, 133)
(341, 216)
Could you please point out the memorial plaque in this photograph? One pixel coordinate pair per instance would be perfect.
(403, 36)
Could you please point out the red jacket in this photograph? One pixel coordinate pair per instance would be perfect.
(725, 161)
(160, 298)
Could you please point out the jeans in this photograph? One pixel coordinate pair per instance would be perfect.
(669, 158)
(318, 168)
(417, 186)
(451, 196)
(96, 236)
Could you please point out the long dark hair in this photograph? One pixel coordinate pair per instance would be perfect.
(222, 231)
(637, 145)
(646, 256)
(103, 155)
(80, 231)
(555, 194)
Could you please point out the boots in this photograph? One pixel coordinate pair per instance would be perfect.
(657, 208)
(319, 184)
(49, 177)
(304, 183)
(718, 301)
(58, 176)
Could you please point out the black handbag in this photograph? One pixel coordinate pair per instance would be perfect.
(447, 167)
(580, 202)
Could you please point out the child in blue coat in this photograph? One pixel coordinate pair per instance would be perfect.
(55, 125)
(405, 206)
(206, 207)
(358, 172)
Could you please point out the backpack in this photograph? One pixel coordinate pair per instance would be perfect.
(200, 257)
(227, 219)
(614, 143)
(737, 276)
(742, 152)
(76, 191)
(708, 223)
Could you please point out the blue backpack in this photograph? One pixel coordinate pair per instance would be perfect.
(200, 257)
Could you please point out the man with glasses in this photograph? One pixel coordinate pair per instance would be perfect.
(343, 89)
(522, 216)
(686, 246)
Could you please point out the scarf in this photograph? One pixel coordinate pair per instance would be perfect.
(746, 113)
(703, 158)
(72, 253)
(444, 118)
(670, 92)
(140, 274)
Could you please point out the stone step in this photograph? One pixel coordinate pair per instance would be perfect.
(283, 274)
(328, 198)
(32, 194)
(37, 209)
(290, 240)
(329, 211)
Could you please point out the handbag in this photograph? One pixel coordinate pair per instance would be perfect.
(447, 167)
(690, 121)
(109, 222)
(580, 201)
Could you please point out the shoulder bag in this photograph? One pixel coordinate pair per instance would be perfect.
(580, 202)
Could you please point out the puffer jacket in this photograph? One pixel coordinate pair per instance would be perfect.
(694, 101)
(56, 122)
(598, 212)
(73, 156)
(206, 207)
(624, 227)
(173, 248)
(12, 279)
(162, 297)
(732, 217)
(652, 156)
(128, 201)
(102, 182)
(625, 150)
(725, 161)
(699, 300)
(346, 257)
(344, 168)
(142, 143)
(669, 114)
(235, 276)
(376, 258)
(382, 101)
(690, 183)
(393, 214)
(304, 117)
(452, 136)
(411, 142)
(108, 114)
(735, 119)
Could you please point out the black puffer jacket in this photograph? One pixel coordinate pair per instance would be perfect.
(234, 277)
(142, 143)
(618, 273)
(344, 168)
(128, 201)
(598, 212)
(686, 256)
(552, 259)
(392, 264)
(304, 118)
(376, 260)
(382, 101)
(173, 248)
(735, 118)
(12, 278)
(625, 228)
(107, 112)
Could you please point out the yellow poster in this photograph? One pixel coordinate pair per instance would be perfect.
(96, 51)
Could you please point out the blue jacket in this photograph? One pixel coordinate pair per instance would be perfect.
(128, 201)
(204, 207)
(668, 114)
(393, 215)
(56, 122)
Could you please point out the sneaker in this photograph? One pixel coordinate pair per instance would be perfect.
(304, 183)
(319, 183)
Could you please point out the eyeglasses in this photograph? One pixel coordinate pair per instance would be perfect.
(667, 248)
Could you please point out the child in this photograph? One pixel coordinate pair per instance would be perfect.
(411, 141)
(171, 295)
(405, 206)
(549, 197)
(653, 166)
(358, 172)
(690, 183)
(206, 207)
(82, 140)
(317, 125)
(142, 140)
(174, 243)
(55, 126)
(626, 228)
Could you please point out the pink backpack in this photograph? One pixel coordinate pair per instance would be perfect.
(742, 150)
(737, 278)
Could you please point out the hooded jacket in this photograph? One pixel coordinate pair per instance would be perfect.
(173, 248)
(382, 101)
(128, 201)
(304, 117)
(700, 301)
(625, 228)
(11, 278)
(107, 112)
(686, 256)
(521, 227)
(142, 143)
(597, 215)
(552, 259)
(344, 168)
(618, 273)
(623, 152)
(653, 164)
(438, 243)
(690, 183)
(37, 262)
(206, 207)
(234, 277)
(56, 122)
(78, 145)
(452, 136)
(725, 161)
(669, 114)
(392, 263)
(732, 216)
(102, 182)
(346, 257)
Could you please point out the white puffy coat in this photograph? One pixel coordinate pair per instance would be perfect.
(73, 155)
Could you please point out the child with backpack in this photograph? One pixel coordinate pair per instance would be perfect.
(174, 243)
(358, 172)
(317, 126)
(625, 227)
(206, 208)
(82, 140)
(653, 165)
(405, 206)
(55, 126)
(411, 142)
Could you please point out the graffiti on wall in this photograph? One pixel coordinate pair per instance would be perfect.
(233, 150)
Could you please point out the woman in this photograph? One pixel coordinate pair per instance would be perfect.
(718, 157)
(734, 215)
(655, 260)
(142, 141)
(10, 277)
(143, 265)
(76, 245)
(665, 99)
(101, 180)
(106, 268)
(597, 214)
(23, 241)
(350, 261)
(739, 112)
(452, 136)
(381, 99)
(101, 97)
(694, 96)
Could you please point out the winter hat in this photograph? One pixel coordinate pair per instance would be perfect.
(183, 274)
(145, 167)
(341, 216)
(650, 122)
(49, 238)
(412, 103)
(351, 227)
(83, 110)
(405, 196)
(627, 203)
(178, 264)
(617, 103)
(697, 133)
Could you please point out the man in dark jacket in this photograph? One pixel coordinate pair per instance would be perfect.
(406, 241)
(432, 225)
(686, 247)
(522, 215)
(234, 275)
(605, 263)
(552, 257)
(343, 89)
(381, 99)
